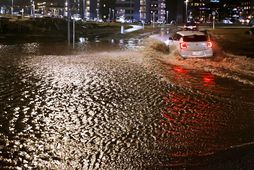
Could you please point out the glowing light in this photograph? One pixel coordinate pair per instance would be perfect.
(183, 45)
(209, 44)
(208, 79)
(179, 70)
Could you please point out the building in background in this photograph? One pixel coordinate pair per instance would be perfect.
(154, 10)
(78, 9)
(198, 10)
(246, 10)
(141, 10)
(213, 7)
(157, 11)
(231, 10)
(106, 10)
(162, 10)
(128, 10)
(47, 8)
(85, 9)
(237, 11)
(135, 10)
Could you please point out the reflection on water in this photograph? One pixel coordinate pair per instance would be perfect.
(193, 123)
(196, 126)
(84, 44)
(83, 40)
(78, 111)
(96, 44)
(204, 81)
(111, 111)
(30, 48)
(204, 115)
(208, 79)
(131, 43)
(207, 82)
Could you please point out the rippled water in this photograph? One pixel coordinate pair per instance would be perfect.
(93, 108)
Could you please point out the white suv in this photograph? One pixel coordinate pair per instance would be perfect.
(192, 44)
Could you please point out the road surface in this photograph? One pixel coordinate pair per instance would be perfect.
(124, 109)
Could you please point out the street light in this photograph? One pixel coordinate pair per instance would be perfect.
(98, 15)
(113, 15)
(109, 14)
(186, 12)
(153, 19)
(12, 7)
(32, 8)
(141, 19)
(139, 14)
(167, 17)
(84, 5)
(68, 21)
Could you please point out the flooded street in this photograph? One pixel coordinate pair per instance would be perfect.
(124, 105)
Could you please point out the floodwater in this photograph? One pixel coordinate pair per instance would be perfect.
(126, 104)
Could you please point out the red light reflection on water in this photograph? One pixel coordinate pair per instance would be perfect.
(179, 69)
(194, 79)
(208, 79)
(190, 122)
(180, 75)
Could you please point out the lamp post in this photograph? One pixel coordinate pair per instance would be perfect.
(32, 8)
(109, 14)
(153, 19)
(167, 17)
(113, 15)
(73, 33)
(98, 15)
(11, 7)
(141, 19)
(140, 15)
(68, 22)
(186, 10)
(213, 13)
(84, 9)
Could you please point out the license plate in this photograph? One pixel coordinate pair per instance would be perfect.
(197, 53)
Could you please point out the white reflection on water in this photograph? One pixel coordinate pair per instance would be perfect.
(97, 44)
(31, 47)
(83, 40)
(2, 46)
(131, 43)
(97, 39)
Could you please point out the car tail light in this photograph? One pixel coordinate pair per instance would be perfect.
(209, 44)
(183, 45)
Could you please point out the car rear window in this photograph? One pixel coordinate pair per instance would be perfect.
(190, 24)
(195, 38)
